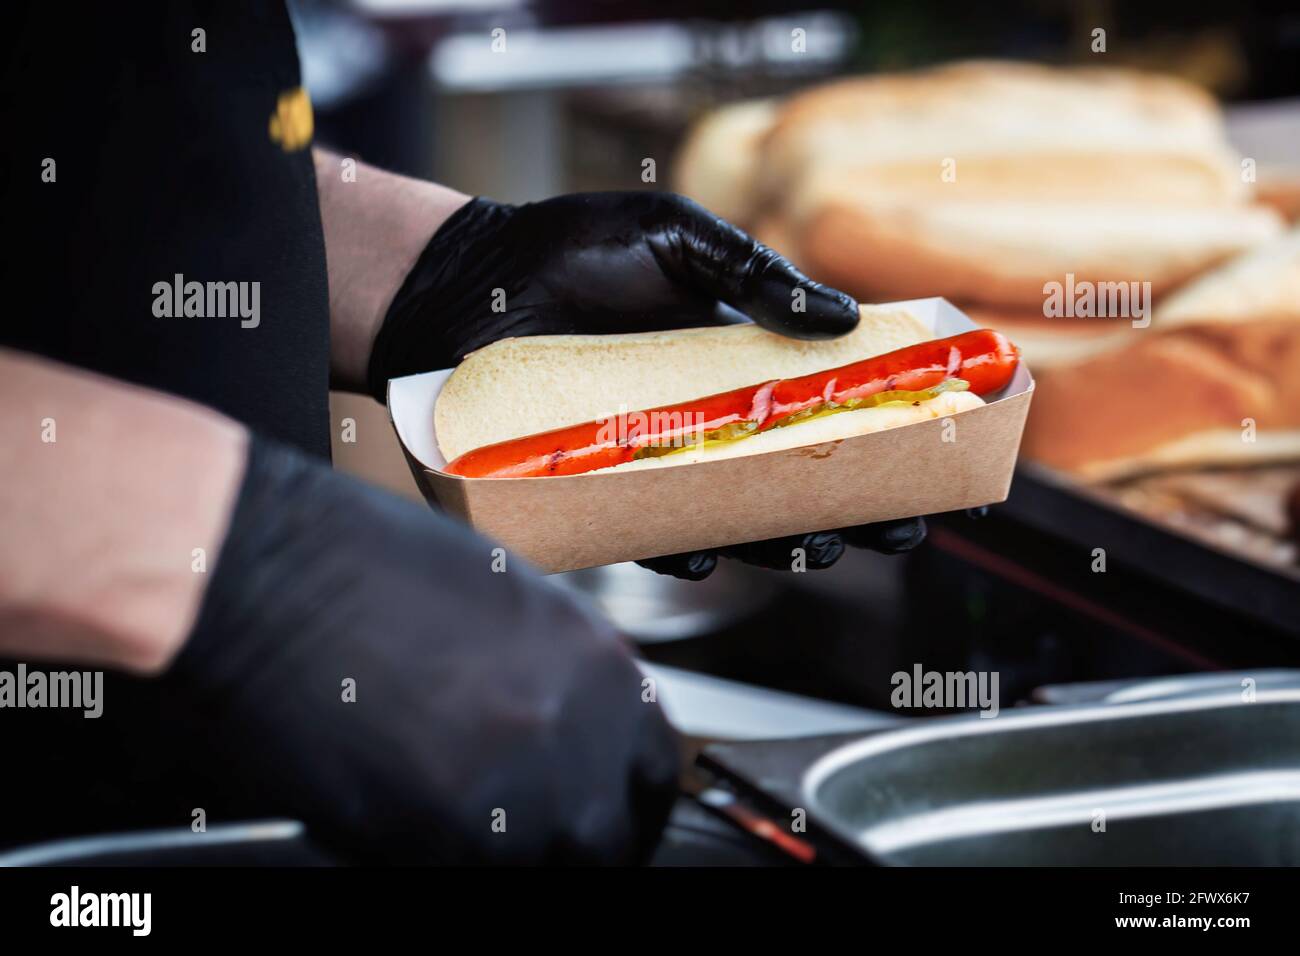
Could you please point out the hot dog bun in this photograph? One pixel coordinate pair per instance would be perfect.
(1175, 399)
(524, 386)
(717, 165)
(1227, 304)
(1002, 252)
(1262, 284)
(981, 181)
(1100, 418)
(1223, 349)
(1133, 124)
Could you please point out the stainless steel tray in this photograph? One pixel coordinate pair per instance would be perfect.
(1209, 780)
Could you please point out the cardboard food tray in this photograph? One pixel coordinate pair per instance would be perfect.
(578, 521)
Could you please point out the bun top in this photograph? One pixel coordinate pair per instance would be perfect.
(1263, 283)
(978, 108)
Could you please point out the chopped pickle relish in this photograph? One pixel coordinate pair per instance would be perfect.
(737, 431)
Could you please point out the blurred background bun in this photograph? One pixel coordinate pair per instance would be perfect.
(984, 182)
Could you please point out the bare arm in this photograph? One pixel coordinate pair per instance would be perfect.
(376, 225)
(108, 491)
(111, 490)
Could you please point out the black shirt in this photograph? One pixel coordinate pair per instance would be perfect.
(166, 162)
(175, 153)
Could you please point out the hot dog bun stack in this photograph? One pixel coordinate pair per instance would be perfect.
(1223, 350)
(1280, 190)
(983, 181)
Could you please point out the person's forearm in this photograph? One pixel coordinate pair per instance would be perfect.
(114, 505)
(376, 225)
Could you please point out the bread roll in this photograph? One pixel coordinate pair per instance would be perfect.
(1266, 347)
(1279, 187)
(972, 112)
(717, 165)
(1148, 180)
(1262, 284)
(1002, 253)
(1220, 350)
(982, 181)
(1248, 311)
(775, 232)
(1172, 399)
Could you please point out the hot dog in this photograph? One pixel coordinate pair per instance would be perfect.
(982, 360)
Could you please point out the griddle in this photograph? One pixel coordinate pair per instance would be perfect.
(1212, 608)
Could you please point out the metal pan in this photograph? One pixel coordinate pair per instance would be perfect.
(1207, 780)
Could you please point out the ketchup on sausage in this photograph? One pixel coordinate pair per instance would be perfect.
(983, 357)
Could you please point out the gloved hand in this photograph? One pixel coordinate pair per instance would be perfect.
(820, 549)
(590, 263)
(604, 263)
(480, 697)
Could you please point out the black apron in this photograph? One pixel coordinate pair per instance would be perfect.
(168, 162)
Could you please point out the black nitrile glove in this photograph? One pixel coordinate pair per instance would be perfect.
(590, 263)
(493, 721)
(821, 549)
